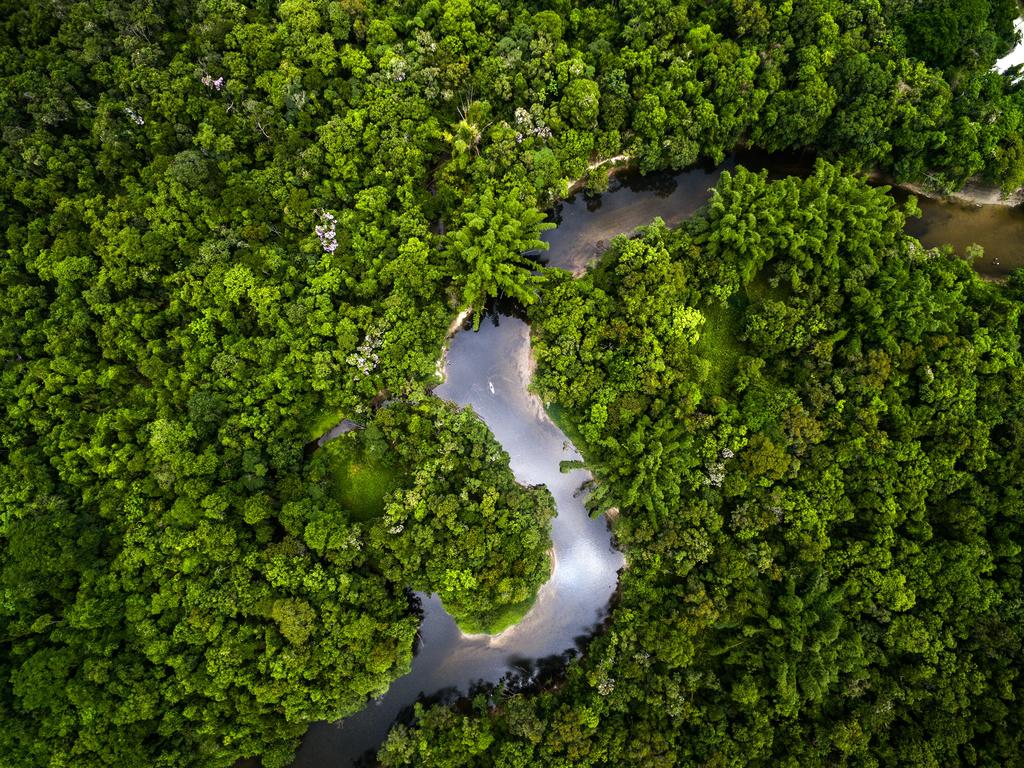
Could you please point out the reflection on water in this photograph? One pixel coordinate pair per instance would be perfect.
(490, 371)
(1016, 56)
(586, 225)
(998, 229)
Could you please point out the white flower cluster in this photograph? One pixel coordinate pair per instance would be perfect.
(716, 474)
(425, 40)
(209, 82)
(365, 358)
(134, 116)
(326, 231)
(396, 69)
(525, 124)
(716, 469)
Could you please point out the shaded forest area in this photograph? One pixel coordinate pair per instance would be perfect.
(226, 225)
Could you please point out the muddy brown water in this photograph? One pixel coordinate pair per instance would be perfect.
(997, 229)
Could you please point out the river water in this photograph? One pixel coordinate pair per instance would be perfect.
(490, 371)
(1000, 230)
(586, 225)
(1016, 56)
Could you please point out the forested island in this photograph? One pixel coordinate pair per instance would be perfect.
(229, 227)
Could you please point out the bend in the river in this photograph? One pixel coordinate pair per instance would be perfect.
(490, 371)
(586, 225)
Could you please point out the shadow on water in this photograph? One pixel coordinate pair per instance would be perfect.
(998, 229)
(490, 371)
(497, 309)
(586, 224)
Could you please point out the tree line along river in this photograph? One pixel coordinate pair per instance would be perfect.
(490, 371)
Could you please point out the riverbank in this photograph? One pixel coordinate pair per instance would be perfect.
(615, 165)
(974, 191)
(453, 328)
(977, 215)
(504, 627)
(490, 371)
(1014, 57)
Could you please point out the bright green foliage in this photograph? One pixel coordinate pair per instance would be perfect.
(461, 526)
(362, 472)
(490, 241)
(825, 553)
(220, 221)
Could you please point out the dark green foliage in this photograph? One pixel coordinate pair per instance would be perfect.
(825, 553)
(945, 33)
(220, 221)
(458, 524)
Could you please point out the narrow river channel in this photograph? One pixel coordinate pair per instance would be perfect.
(586, 225)
(490, 371)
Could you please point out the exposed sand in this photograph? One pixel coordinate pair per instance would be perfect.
(543, 593)
(973, 193)
(456, 324)
(617, 163)
(526, 366)
(1016, 56)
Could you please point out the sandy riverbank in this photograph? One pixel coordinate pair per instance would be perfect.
(972, 193)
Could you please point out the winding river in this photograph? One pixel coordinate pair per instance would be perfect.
(586, 225)
(490, 371)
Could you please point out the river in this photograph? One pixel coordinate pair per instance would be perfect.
(490, 371)
(586, 225)
(1016, 56)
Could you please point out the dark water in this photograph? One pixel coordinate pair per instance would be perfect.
(999, 230)
(585, 225)
(489, 371)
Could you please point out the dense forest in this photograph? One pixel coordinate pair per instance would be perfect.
(442, 512)
(227, 226)
(813, 429)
